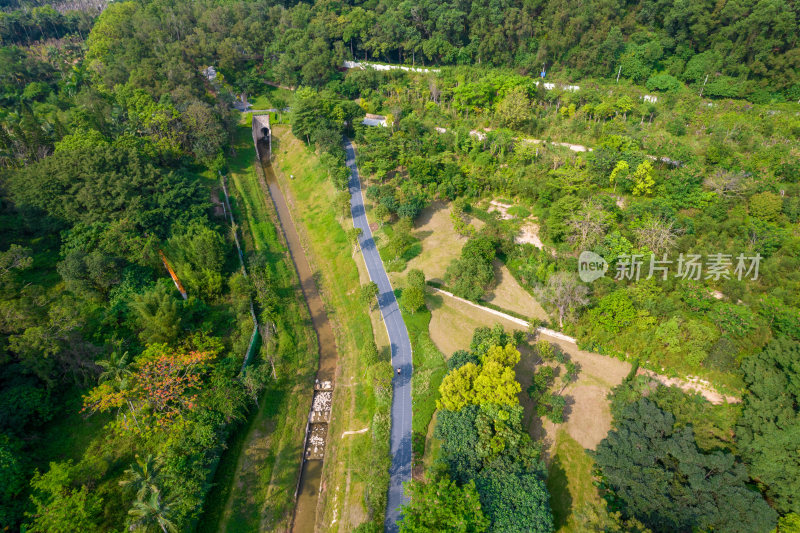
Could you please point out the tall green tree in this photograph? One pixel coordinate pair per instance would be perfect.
(769, 428)
(655, 472)
(142, 477)
(441, 505)
(152, 513)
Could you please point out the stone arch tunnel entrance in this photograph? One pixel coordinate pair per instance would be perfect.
(262, 131)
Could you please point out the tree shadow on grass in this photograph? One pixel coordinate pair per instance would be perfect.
(434, 301)
(560, 497)
(412, 251)
(385, 354)
(569, 403)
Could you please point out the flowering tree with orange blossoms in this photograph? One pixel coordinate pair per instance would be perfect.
(164, 384)
(169, 383)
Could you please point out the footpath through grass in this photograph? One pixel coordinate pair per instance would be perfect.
(256, 478)
(356, 468)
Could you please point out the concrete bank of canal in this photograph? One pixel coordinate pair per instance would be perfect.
(305, 514)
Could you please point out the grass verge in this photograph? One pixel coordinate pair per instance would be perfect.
(273, 97)
(355, 476)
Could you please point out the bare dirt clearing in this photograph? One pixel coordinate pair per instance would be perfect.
(693, 384)
(529, 233)
(501, 208)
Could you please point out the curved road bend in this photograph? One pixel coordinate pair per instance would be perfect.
(400, 471)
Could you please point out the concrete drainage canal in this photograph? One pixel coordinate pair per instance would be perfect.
(310, 484)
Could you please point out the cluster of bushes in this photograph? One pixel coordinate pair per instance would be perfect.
(548, 403)
(471, 274)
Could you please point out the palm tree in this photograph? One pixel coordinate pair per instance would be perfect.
(152, 512)
(142, 476)
(115, 369)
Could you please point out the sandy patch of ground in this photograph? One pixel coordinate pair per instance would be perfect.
(589, 418)
(509, 294)
(607, 371)
(501, 208)
(529, 233)
(693, 384)
(573, 147)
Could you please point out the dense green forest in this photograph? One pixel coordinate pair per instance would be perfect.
(111, 138)
(117, 395)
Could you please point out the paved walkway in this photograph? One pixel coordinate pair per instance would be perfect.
(400, 471)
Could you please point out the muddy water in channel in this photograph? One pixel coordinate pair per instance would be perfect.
(308, 496)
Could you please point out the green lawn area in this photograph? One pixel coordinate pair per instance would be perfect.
(271, 98)
(356, 467)
(573, 497)
(256, 477)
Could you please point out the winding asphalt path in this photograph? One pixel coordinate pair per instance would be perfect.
(400, 471)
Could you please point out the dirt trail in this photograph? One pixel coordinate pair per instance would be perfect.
(574, 147)
(692, 384)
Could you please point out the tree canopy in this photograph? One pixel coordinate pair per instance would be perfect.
(441, 505)
(655, 472)
(483, 439)
(769, 427)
